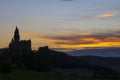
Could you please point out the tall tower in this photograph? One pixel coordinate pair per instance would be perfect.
(14, 45)
(16, 36)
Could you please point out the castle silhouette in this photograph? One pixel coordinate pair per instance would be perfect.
(19, 46)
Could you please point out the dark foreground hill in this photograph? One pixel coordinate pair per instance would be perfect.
(46, 60)
(109, 62)
(33, 75)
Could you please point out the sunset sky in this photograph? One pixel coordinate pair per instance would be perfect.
(62, 24)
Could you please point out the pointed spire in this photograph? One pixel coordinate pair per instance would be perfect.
(16, 35)
(16, 30)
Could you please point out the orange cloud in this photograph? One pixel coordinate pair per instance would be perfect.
(75, 41)
(85, 40)
(112, 39)
(90, 39)
(105, 15)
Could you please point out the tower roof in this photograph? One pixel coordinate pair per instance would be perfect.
(16, 35)
(16, 29)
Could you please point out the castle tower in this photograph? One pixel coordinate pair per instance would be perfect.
(19, 46)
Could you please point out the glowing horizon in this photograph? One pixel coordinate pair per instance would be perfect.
(74, 41)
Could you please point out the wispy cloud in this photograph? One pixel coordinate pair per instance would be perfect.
(105, 15)
(89, 17)
(84, 39)
(111, 39)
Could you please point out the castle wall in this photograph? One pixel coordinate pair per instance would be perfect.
(25, 46)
